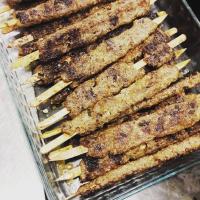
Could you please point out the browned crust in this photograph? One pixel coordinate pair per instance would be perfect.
(106, 110)
(79, 66)
(122, 138)
(171, 152)
(52, 9)
(91, 168)
(42, 30)
(119, 75)
(86, 31)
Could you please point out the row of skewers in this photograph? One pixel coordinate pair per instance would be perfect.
(127, 101)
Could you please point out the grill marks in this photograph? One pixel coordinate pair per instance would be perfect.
(116, 77)
(104, 111)
(86, 31)
(52, 9)
(114, 161)
(99, 55)
(166, 121)
(171, 152)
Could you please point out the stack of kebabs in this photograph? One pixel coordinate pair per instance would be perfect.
(117, 74)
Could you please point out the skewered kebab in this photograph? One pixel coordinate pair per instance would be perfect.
(121, 74)
(91, 168)
(131, 56)
(173, 151)
(123, 137)
(77, 69)
(98, 23)
(50, 73)
(174, 89)
(47, 11)
(115, 78)
(40, 31)
(108, 109)
(88, 30)
(174, 117)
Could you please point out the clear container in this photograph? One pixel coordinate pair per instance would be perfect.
(180, 16)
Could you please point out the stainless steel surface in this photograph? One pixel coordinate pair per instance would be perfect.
(181, 17)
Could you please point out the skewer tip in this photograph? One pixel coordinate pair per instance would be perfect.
(183, 64)
(179, 52)
(26, 60)
(51, 133)
(53, 119)
(70, 174)
(160, 19)
(152, 2)
(21, 41)
(171, 31)
(49, 93)
(68, 154)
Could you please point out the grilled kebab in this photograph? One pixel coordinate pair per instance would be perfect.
(51, 9)
(40, 31)
(91, 167)
(121, 138)
(92, 27)
(110, 108)
(105, 53)
(120, 75)
(173, 151)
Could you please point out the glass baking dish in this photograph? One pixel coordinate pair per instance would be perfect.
(180, 16)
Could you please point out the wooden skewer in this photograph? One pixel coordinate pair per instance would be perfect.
(178, 53)
(64, 137)
(7, 30)
(181, 65)
(49, 93)
(61, 150)
(21, 63)
(70, 174)
(53, 119)
(68, 154)
(26, 60)
(32, 80)
(177, 41)
(21, 41)
(4, 9)
(51, 133)
(140, 64)
(161, 13)
(171, 31)
(55, 143)
(10, 23)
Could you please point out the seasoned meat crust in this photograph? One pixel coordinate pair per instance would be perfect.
(91, 167)
(171, 152)
(91, 28)
(105, 110)
(121, 138)
(52, 9)
(42, 30)
(117, 76)
(79, 67)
